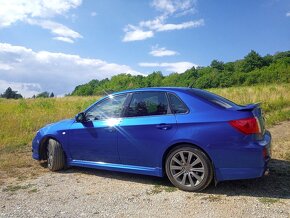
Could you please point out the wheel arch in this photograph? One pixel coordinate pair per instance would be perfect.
(43, 146)
(170, 148)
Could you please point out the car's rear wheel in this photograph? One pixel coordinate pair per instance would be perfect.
(188, 168)
(55, 156)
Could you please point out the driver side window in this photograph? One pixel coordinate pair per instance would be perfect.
(111, 107)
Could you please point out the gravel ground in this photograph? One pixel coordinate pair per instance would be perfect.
(94, 193)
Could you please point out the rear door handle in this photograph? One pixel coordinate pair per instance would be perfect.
(163, 126)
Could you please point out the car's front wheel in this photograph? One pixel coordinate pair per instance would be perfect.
(55, 156)
(188, 168)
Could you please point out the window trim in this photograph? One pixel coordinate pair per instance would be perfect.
(131, 97)
(172, 93)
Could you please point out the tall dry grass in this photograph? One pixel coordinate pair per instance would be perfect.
(274, 99)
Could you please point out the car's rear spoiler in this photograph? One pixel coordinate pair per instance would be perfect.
(249, 107)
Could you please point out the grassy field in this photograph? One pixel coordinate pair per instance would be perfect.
(20, 119)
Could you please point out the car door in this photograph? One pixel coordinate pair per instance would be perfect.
(146, 130)
(96, 139)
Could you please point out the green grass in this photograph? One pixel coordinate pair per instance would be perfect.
(14, 188)
(20, 119)
(160, 188)
(212, 198)
(265, 200)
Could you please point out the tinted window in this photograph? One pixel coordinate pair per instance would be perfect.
(213, 98)
(147, 104)
(177, 106)
(111, 107)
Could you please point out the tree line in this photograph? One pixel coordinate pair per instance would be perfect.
(252, 69)
(10, 94)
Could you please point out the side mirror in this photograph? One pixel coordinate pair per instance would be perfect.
(80, 117)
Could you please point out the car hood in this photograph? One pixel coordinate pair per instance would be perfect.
(58, 126)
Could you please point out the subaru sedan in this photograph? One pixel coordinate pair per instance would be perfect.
(190, 135)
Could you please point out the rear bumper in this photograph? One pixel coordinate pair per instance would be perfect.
(259, 156)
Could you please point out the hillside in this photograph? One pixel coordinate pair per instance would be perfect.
(252, 69)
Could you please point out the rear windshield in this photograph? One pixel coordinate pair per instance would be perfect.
(213, 98)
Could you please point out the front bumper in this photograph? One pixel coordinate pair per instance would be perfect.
(35, 146)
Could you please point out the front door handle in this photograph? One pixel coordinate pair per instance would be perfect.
(163, 126)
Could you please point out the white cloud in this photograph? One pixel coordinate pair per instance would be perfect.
(93, 14)
(5, 66)
(288, 14)
(176, 67)
(134, 34)
(174, 6)
(62, 32)
(33, 71)
(158, 24)
(19, 10)
(147, 29)
(37, 12)
(185, 25)
(161, 52)
(64, 39)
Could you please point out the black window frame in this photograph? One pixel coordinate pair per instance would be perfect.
(170, 104)
(130, 97)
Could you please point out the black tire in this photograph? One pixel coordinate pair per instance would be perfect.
(203, 178)
(55, 156)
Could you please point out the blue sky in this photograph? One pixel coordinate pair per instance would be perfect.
(58, 44)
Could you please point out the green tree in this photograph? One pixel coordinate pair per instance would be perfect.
(10, 94)
(51, 95)
(252, 61)
(154, 79)
(267, 69)
(43, 95)
(219, 65)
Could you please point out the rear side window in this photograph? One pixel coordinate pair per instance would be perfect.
(147, 104)
(213, 98)
(177, 106)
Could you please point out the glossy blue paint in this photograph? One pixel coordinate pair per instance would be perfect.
(138, 144)
(93, 141)
(118, 167)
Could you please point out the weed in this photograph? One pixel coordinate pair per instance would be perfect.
(14, 188)
(160, 188)
(212, 198)
(170, 189)
(265, 200)
(33, 190)
(156, 190)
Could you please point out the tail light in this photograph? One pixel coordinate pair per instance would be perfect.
(247, 126)
(265, 153)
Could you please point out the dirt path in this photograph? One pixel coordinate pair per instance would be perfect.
(84, 192)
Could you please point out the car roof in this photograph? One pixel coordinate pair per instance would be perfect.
(164, 89)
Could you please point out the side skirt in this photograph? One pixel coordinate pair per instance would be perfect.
(118, 167)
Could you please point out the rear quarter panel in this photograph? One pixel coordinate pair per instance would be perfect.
(208, 127)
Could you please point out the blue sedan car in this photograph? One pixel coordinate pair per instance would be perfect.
(191, 135)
